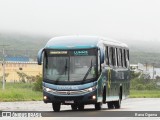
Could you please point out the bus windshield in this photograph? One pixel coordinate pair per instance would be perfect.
(69, 67)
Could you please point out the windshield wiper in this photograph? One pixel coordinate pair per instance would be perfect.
(88, 71)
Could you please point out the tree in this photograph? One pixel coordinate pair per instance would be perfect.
(22, 76)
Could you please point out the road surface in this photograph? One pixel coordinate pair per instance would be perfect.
(131, 104)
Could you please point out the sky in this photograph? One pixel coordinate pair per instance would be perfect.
(117, 19)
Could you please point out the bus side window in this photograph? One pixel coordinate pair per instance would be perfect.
(128, 54)
(125, 58)
(107, 56)
(112, 60)
(117, 57)
(123, 65)
(114, 56)
(120, 58)
(110, 56)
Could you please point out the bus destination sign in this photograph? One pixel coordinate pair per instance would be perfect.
(58, 52)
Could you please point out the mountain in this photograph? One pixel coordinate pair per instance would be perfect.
(28, 45)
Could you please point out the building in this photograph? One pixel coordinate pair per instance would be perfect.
(11, 68)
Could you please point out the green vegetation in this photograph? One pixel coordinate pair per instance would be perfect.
(144, 94)
(19, 92)
(37, 86)
(140, 81)
(144, 87)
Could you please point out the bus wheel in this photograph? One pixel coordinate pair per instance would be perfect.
(81, 107)
(104, 95)
(74, 107)
(98, 106)
(117, 104)
(56, 107)
(110, 105)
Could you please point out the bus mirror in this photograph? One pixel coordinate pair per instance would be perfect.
(39, 56)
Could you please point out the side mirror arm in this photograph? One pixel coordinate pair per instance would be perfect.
(39, 56)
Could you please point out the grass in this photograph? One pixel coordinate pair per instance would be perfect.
(144, 94)
(19, 92)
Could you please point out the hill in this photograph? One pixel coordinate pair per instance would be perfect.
(28, 45)
(22, 45)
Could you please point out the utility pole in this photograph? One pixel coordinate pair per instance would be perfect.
(146, 66)
(3, 65)
(153, 70)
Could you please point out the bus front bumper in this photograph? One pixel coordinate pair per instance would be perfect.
(88, 98)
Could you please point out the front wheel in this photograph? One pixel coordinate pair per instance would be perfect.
(56, 107)
(81, 107)
(98, 106)
(74, 107)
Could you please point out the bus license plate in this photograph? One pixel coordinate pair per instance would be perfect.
(71, 101)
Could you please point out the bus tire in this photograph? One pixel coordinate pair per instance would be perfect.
(104, 95)
(110, 105)
(81, 107)
(117, 104)
(56, 107)
(98, 106)
(74, 107)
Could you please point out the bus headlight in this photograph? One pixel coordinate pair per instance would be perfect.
(47, 89)
(91, 88)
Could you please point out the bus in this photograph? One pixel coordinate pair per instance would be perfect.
(81, 70)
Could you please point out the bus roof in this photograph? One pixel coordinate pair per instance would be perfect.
(81, 42)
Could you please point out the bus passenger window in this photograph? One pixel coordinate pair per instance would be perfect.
(120, 58)
(117, 57)
(125, 59)
(112, 60)
(107, 56)
(110, 56)
(114, 57)
(128, 54)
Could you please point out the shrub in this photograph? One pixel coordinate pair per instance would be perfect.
(150, 86)
(37, 86)
(140, 87)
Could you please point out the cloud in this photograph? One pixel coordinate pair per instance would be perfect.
(119, 19)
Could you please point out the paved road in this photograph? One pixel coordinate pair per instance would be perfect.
(134, 104)
(131, 104)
